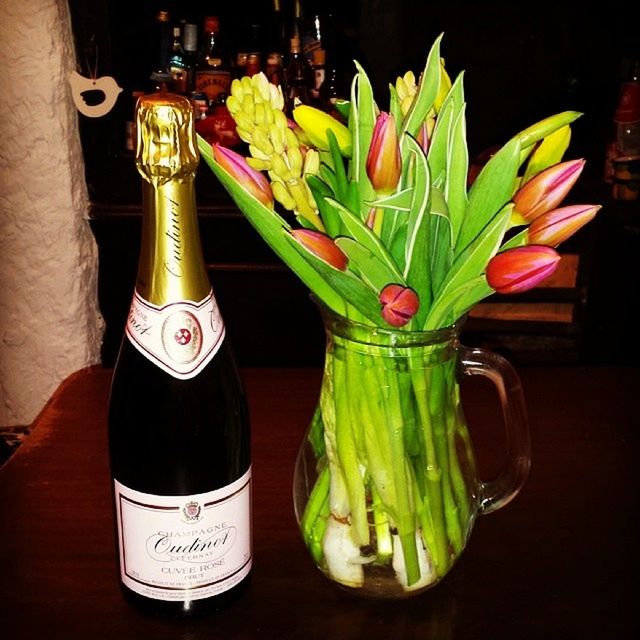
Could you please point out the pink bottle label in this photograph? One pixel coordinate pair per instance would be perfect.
(181, 338)
(184, 547)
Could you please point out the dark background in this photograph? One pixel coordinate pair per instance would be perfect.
(522, 62)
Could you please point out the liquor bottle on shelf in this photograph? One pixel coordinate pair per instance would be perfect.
(178, 64)
(213, 71)
(190, 46)
(179, 437)
(333, 87)
(250, 51)
(299, 78)
(318, 66)
(622, 162)
(160, 75)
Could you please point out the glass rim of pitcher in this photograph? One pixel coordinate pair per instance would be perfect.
(370, 334)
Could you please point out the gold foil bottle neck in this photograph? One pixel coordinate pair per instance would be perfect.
(166, 139)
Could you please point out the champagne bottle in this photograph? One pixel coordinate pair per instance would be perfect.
(178, 421)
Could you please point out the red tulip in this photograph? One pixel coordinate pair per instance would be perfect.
(399, 304)
(554, 227)
(522, 268)
(384, 163)
(546, 190)
(322, 246)
(253, 181)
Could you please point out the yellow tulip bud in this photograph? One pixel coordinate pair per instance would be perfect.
(315, 124)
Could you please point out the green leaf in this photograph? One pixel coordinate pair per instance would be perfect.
(338, 166)
(274, 231)
(397, 246)
(360, 232)
(416, 272)
(440, 254)
(343, 107)
(363, 113)
(427, 91)
(439, 144)
(370, 268)
(472, 292)
(520, 239)
(471, 262)
(322, 195)
(394, 107)
(327, 174)
(345, 283)
(457, 172)
(492, 189)
(460, 301)
(441, 140)
(400, 200)
(539, 130)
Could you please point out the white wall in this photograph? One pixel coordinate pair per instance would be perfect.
(50, 324)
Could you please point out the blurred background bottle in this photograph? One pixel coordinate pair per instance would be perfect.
(178, 63)
(299, 78)
(160, 75)
(190, 46)
(622, 164)
(213, 70)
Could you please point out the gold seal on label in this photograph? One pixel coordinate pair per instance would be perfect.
(182, 337)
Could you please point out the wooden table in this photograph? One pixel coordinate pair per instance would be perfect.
(559, 562)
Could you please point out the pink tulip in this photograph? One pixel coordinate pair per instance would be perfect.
(554, 227)
(522, 268)
(322, 246)
(253, 181)
(384, 163)
(546, 190)
(399, 304)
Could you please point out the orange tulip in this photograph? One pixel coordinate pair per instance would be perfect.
(322, 246)
(522, 268)
(384, 163)
(554, 227)
(546, 190)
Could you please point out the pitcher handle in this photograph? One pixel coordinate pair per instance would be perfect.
(497, 493)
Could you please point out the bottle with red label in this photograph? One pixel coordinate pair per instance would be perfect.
(213, 71)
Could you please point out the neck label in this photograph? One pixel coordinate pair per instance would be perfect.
(181, 337)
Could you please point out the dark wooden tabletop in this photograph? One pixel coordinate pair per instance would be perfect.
(559, 562)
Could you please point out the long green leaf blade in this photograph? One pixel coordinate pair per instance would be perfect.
(492, 189)
(473, 260)
(416, 272)
(370, 268)
(359, 231)
(457, 174)
(427, 91)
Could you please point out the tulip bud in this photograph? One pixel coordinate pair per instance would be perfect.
(322, 246)
(546, 190)
(556, 226)
(315, 123)
(399, 304)
(522, 268)
(384, 163)
(253, 181)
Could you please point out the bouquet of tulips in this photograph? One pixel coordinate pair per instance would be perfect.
(378, 219)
